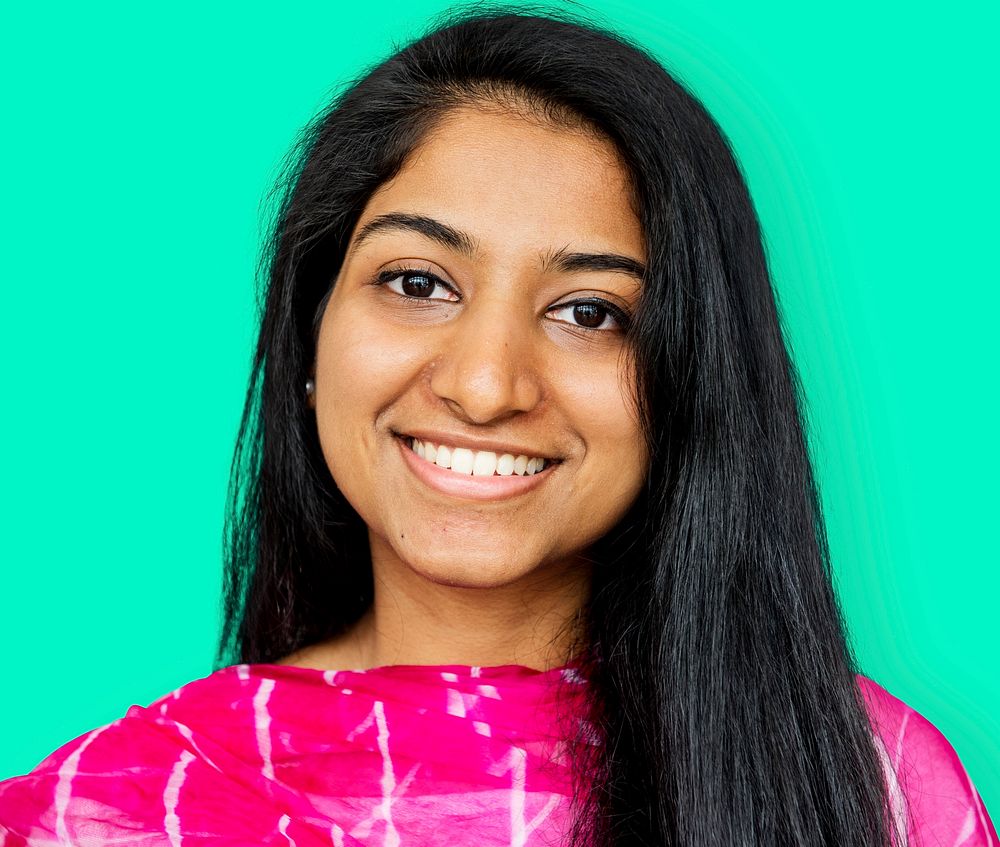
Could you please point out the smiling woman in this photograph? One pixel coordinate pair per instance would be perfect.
(471, 394)
(525, 546)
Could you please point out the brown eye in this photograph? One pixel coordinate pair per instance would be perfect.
(593, 314)
(589, 315)
(417, 285)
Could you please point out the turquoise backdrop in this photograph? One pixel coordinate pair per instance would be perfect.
(139, 142)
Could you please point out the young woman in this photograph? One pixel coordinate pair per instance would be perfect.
(525, 543)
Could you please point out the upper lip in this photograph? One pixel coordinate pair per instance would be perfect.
(471, 442)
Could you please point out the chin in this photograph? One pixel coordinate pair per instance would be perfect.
(464, 571)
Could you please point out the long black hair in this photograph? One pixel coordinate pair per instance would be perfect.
(721, 678)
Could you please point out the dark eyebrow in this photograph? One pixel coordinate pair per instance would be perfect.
(461, 242)
(567, 262)
(443, 234)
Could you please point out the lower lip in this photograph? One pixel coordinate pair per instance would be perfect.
(470, 487)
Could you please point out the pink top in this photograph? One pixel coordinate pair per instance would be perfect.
(402, 755)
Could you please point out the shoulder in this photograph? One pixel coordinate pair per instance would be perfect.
(207, 709)
(928, 785)
(123, 779)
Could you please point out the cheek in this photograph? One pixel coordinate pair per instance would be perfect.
(604, 413)
(360, 370)
(602, 399)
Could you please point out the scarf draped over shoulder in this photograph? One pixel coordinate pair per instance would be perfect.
(275, 754)
(396, 756)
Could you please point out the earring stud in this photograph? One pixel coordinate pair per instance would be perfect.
(310, 387)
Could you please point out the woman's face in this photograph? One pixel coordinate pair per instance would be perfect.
(471, 314)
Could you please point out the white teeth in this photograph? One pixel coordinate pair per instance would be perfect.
(484, 464)
(476, 462)
(461, 460)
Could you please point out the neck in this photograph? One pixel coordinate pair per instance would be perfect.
(533, 622)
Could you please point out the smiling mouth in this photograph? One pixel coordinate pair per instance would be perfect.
(466, 462)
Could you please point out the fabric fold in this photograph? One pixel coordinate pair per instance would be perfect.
(262, 754)
(395, 756)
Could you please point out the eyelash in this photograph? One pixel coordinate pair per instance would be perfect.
(619, 315)
(388, 276)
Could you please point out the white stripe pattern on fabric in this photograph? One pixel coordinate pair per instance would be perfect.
(362, 829)
(896, 797)
(518, 763)
(980, 811)
(174, 695)
(283, 822)
(388, 776)
(64, 785)
(405, 782)
(171, 795)
(262, 725)
(338, 836)
(456, 705)
(570, 675)
(899, 741)
(968, 828)
(540, 817)
(186, 732)
(362, 727)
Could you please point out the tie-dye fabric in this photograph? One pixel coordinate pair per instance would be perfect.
(271, 754)
(395, 756)
(932, 797)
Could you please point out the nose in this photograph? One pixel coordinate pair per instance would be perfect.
(488, 367)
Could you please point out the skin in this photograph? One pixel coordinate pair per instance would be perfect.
(461, 581)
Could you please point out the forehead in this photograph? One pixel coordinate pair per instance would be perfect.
(516, 185)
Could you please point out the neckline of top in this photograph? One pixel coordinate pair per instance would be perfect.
(571, 671)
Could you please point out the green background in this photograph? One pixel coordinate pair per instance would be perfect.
(138, 146)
